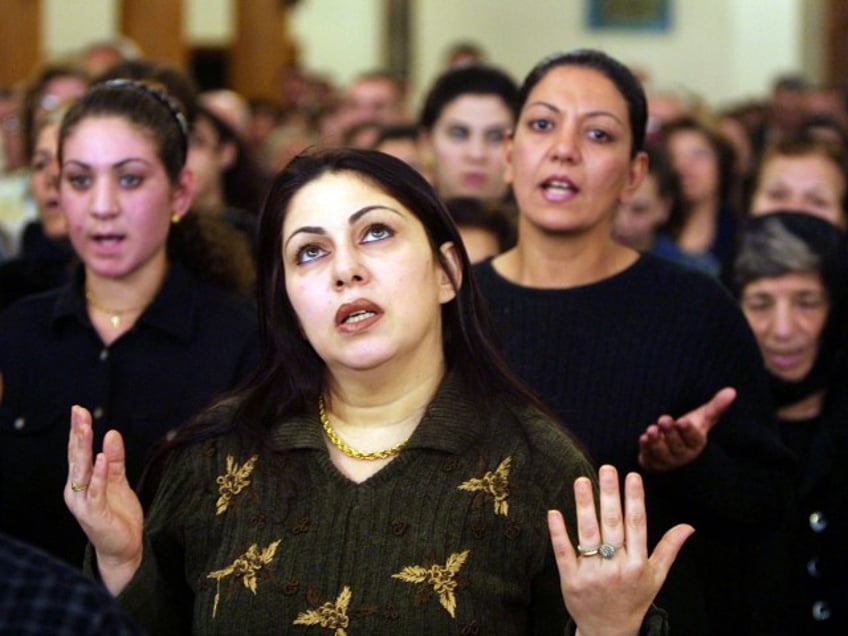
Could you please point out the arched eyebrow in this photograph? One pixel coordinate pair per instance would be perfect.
(591, 113)
(115, 166)
(353, 218)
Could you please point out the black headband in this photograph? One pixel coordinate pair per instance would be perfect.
(160, 96)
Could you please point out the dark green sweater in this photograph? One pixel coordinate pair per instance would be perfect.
(449, 538)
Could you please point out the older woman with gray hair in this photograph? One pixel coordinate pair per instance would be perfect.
(790, 275)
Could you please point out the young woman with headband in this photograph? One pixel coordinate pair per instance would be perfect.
(137, 336)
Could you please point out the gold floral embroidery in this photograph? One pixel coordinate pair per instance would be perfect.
(233, 481)
(494, 484)
(441, 577)
(246, 566)
(331, 615)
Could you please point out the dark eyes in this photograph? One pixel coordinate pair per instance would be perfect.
(599, 135)
(546, 125)
(540, 125)
(78, 181)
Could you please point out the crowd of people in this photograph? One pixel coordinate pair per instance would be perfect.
(322, 364)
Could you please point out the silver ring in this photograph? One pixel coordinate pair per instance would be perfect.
(78, 487)
(605, 551)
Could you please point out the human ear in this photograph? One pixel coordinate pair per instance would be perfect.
(450, 280)
(183, 193)
(635, 175)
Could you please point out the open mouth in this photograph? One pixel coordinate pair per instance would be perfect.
(108, 241)
(558, 188)
(358, 316)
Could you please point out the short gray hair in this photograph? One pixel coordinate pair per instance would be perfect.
(770, 249)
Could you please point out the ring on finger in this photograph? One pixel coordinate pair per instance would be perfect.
(604, 550)
(78, 487)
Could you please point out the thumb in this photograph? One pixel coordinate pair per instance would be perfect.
(717, 406)
(667, 549)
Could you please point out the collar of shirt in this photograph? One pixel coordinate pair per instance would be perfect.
(451, 423)
(172, 310)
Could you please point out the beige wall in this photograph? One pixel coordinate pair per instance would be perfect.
(71, 24)
(722, 49)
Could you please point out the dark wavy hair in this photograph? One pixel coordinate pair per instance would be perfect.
(290, 375)
(145, 104)
(622, 77)
(207, 247)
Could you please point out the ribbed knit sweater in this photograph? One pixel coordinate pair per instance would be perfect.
(613, 356)
(448, 538)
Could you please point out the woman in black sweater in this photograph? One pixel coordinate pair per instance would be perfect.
(613, 340)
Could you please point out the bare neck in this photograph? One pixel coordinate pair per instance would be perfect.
(375, 411)
(115, 304)
(558, 261)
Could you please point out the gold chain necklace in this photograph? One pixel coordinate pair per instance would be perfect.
(336, 441)
(115, 315)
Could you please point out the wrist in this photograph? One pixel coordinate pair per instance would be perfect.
(117, 573)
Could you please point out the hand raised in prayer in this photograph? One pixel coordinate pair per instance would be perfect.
(671, 443)
(104, 504)
(609, 583)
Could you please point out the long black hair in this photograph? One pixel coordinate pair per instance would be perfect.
(290, 375)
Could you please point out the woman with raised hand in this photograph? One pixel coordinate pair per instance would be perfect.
(650, 364)
(382, 472)
(137, 336)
